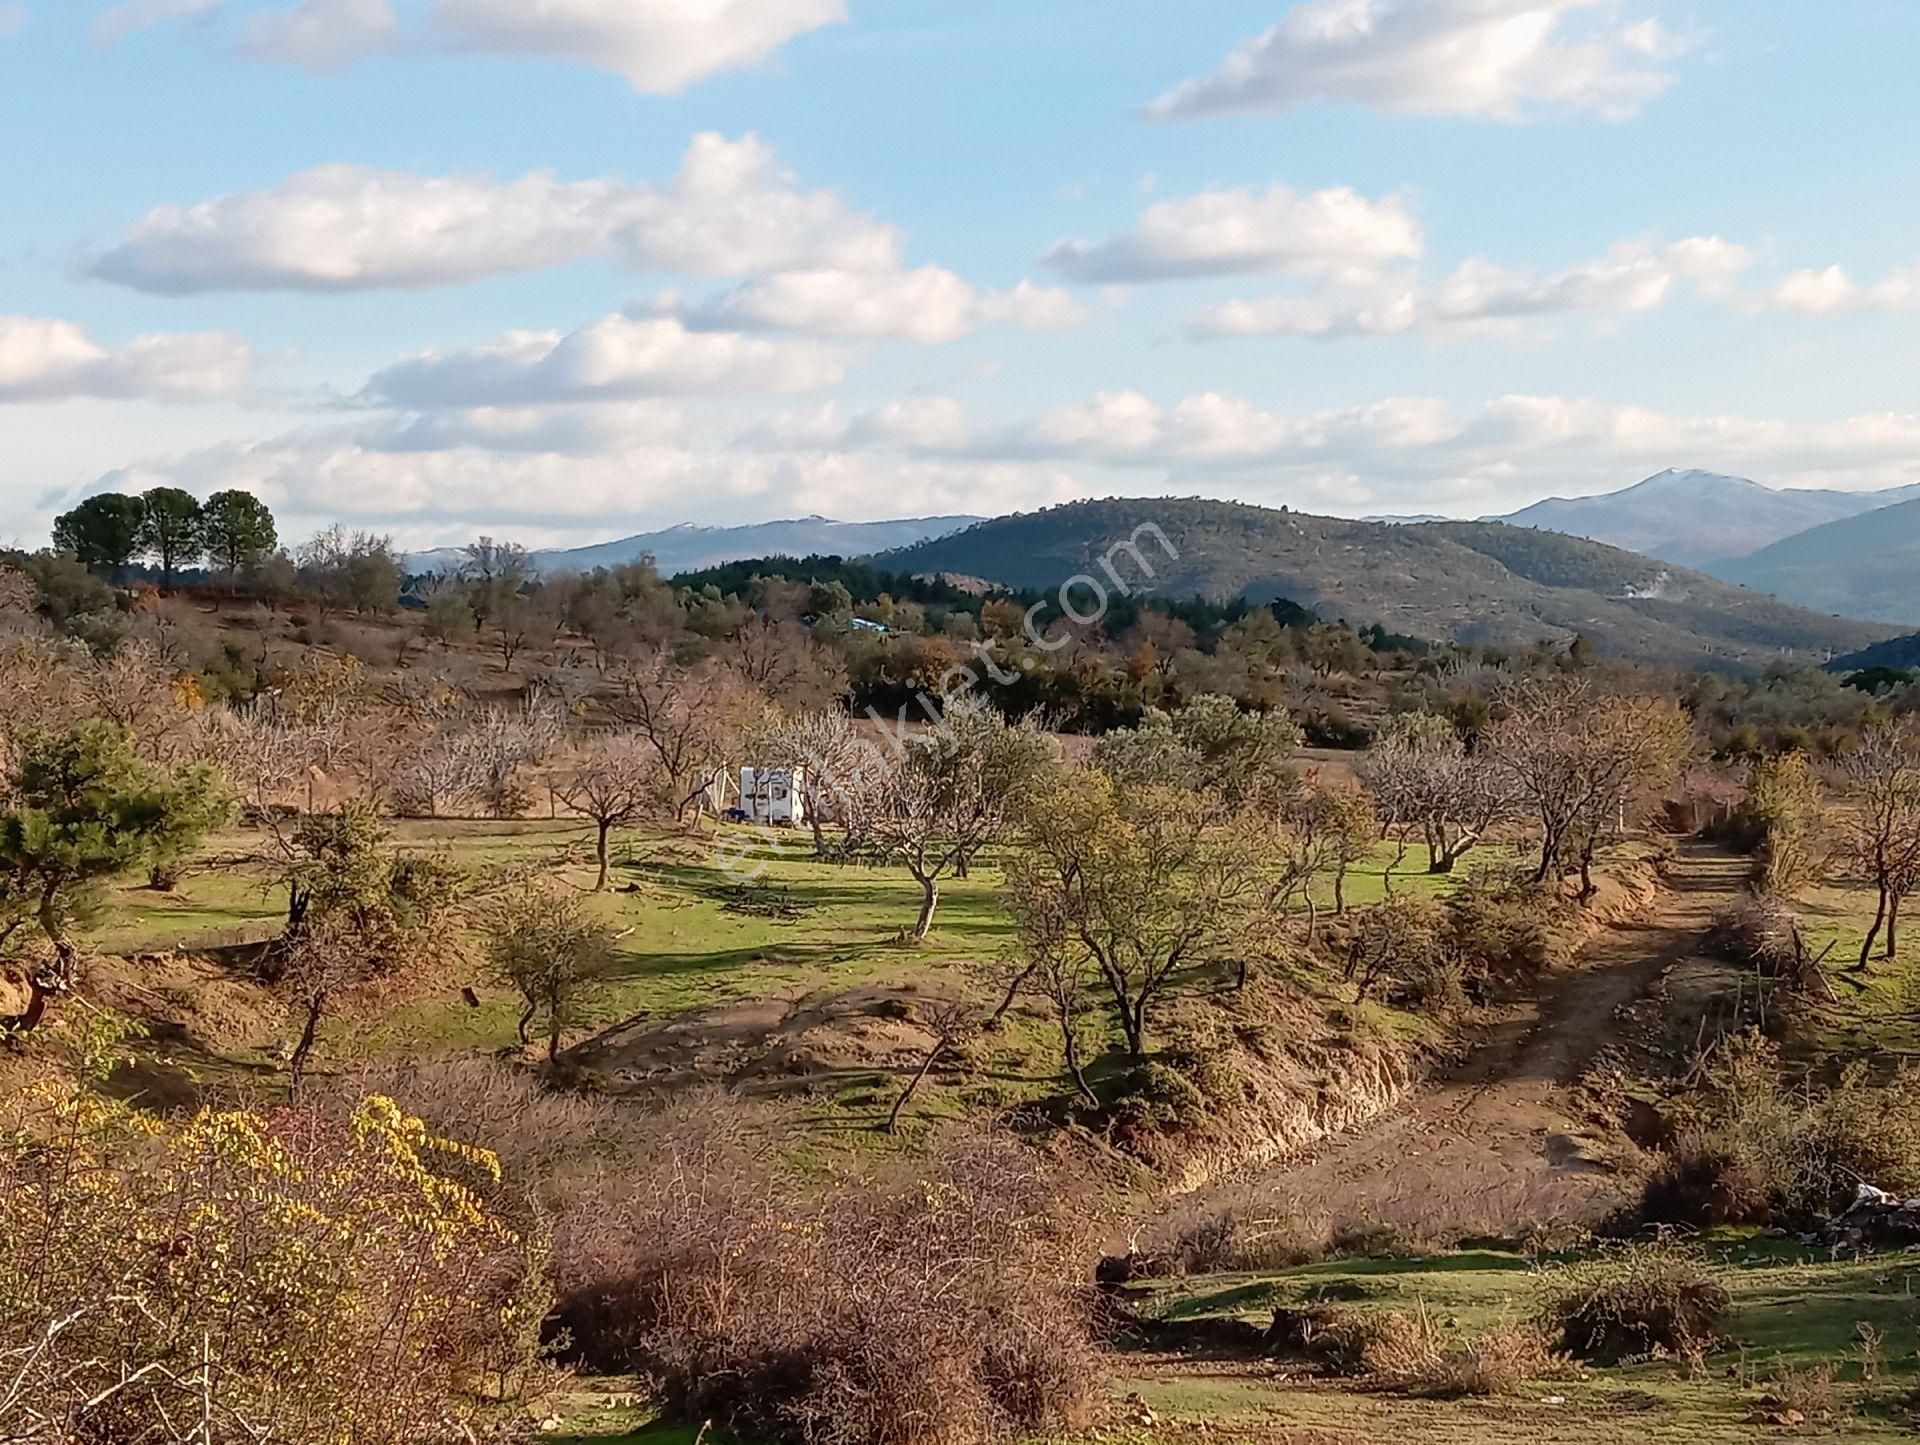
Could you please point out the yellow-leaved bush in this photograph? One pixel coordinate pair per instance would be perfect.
(302, 1275)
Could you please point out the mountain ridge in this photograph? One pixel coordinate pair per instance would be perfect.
(1465, 581)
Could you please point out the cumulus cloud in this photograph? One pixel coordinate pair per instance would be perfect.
(436, 495)
(1245, 231)
(1833, 292)
(1483, 298)
(730, 210)
(48, 360)
(1495, 59)
(615, 358)
(659, 46)
(577, 431)
(925, 304)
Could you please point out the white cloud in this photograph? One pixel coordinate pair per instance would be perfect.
(925, 304)
(1497, 59)
(47, 360)
(579, 430)
(659, 46)
(430, 496)
(1833, 292)
(113, 25)
(321, 35)
(616, 358)
(730, 210)
(1246, 231)
(1482, 298)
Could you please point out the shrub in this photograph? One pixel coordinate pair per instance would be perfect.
(932, 1304)
(1760, 930)
(1751, 1149)
(1496, 924)
(293, 1275)
(1646, 1300)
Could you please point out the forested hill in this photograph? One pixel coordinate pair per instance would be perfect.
(1469, 581)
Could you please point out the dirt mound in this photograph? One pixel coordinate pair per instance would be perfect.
(784, 1039)
(190, 998)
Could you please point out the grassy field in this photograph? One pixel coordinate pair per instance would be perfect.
(1790, 1311)
(1876, 1014)
(695, 914)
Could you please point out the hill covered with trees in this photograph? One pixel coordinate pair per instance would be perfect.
(1460, 581)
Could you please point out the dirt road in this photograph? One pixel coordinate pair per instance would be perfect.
(1503, 1142)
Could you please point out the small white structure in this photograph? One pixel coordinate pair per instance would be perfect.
(775, 797)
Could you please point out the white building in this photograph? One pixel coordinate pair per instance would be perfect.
(773, 796)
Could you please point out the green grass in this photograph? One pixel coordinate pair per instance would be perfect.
(1790, 1310)
(1876, 1014)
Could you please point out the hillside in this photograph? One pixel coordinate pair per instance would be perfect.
(688, 547)
(1865, 566)
(1695, 517)
(1469, 581)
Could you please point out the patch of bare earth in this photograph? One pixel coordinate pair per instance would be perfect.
(1510, 1140)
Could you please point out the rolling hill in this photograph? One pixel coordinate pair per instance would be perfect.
(688, 547)
(1467, 581)
(1864, 566)
(1696, 518)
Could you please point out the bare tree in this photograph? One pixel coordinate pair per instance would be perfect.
(1880, 834)
(832, 761)
(1585, 764)
(1424, 779)
(952, 1023)
(614, 782)
(952, 791)
(694, 719)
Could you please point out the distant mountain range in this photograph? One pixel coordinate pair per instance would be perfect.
(1699, 518)
(1863, 566)
(1468, 581)
(688, 547)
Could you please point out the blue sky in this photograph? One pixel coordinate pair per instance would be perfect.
(564, 269)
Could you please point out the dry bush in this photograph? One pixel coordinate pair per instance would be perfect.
(1762, 931)
(1752, 1148)
(1796, 1397)
(1233, 1241)
(930, 1304)
(1647, 1300)
(297, 1275)
(1410, 1352)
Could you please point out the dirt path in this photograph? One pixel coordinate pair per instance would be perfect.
(1504, 1141)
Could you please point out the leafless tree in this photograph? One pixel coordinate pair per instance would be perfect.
(1584, 764)
(614, 782)
(1880, 832)
(951, 1022)
(952, 791)
(694, 720)
(1425, 780)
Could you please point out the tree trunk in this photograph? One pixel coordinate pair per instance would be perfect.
(1313, 916)
(309, 1034)
(1587, 888)
(1018, 982)
(526, 1023)
(1070, 1047)
(1866, 944)
(1340, 890)
(553, 1042)
(603, 828)
(926, 1067)
(1893, 927)
(929, 900)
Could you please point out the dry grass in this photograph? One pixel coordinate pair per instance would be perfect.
(1643, 1302)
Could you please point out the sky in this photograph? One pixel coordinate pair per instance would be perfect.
(563, 270)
